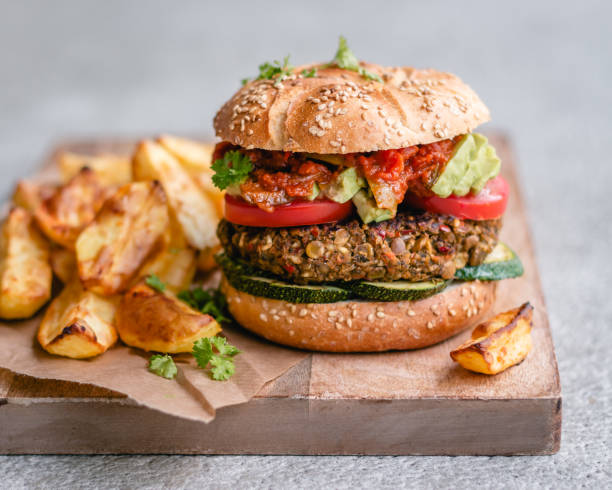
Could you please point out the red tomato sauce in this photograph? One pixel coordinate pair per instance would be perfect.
(414, 167)
(281, 177)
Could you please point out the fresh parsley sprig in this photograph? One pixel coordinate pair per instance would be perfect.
(155, 282)
(230, 170)
(346, 59)
(269, 71)
(209, 301)
(218, 353)
(163, 365)
(309, 73)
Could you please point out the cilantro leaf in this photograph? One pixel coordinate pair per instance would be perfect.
(346, 59)
(222, 368)
(163, 365)
(309, 73)
(244, 81)
(221, 361)
(155, 282)
(232, 169)
(269, 71)
(211, 302)
(202, 351)
(225, 349)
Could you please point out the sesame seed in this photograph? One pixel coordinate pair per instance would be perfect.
(411, 313)
(339, 325)
(291, 333)
(380, 314)
(430, 324)
(273, 311)
(464, 291)
(276, 318)
(451, 312)
(349, 322)
(263, 317)
(371, 317)
(379, 308)
(333, 313)
(303, 312)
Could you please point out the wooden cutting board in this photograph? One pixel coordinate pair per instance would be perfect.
(416, 402)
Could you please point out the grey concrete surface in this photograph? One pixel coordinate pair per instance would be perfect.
(89, 68)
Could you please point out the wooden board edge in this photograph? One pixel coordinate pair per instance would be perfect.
(299, 427)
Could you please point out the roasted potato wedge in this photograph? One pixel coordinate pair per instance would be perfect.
(63, 263)
(194, 156)
(78, 323)
(25, 273)
(206, 258)
(72, 206)
(110, 169)
(193, 210)
(499, 343)
(29, 195)
(175, 264)
(160, 322)
(126, 231)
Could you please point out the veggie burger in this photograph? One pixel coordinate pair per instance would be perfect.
(361, 213)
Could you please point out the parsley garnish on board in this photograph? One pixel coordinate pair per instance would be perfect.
(221, 362)
(209, 301)
(163, 365)
(155, 282)
(230, 170)
(347, 60)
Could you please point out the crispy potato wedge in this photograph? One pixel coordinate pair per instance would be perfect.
(29, 195)
(204, 181)
(63, 263)
(193, 155)
(193, 210)
(78, 323)
(126, 231)
(499, 343)
(206, 258)
(25, 273)
(110, 169)
(175, 264)
(72, 206)
(160, 322)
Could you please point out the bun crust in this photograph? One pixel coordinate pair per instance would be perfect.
(363, 326)
(339, 111)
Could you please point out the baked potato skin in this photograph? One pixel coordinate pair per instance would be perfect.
(25, 273)
(78, 323)
(158, 321)
(127, 230)
(64, 214)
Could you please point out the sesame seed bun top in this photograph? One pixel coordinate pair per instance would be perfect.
(340, 111)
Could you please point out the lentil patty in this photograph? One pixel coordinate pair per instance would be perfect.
(413, 246)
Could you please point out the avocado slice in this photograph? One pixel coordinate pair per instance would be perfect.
(345, 186)
(473, 164)
(367, 209)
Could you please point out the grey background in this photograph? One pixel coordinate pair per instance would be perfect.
(86, 68)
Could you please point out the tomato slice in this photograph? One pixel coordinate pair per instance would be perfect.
(489, 203)
(297, 213)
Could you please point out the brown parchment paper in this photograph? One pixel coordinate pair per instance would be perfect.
(192, 395)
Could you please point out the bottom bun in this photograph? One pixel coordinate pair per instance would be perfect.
(363, 326)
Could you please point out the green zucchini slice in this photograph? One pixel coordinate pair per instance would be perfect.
(399, 290)
(501, 263)
(292, 293)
